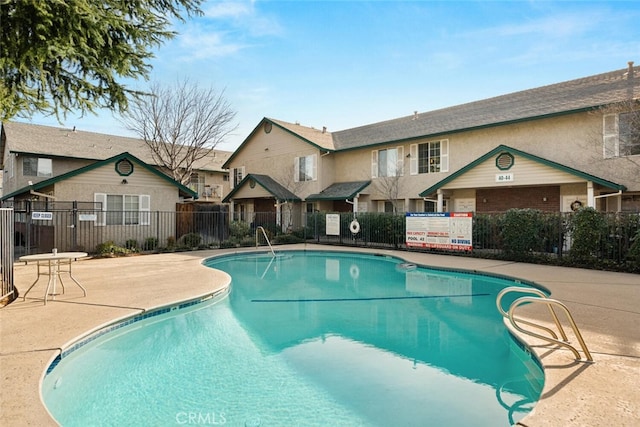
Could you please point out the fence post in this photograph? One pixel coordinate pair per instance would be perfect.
(7, 221)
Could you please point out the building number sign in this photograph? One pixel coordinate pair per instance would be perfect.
(504, 177)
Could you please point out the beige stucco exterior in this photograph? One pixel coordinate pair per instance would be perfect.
(572, 141)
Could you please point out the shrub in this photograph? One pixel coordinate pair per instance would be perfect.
(247, 241)
(171, 242)
(150, 244)
(131, 244)
(634, 249)
(587, 229)
(522, 232)
(110, 248)
(191, 240)
(284, 239)
(239, 229)
(227, 244)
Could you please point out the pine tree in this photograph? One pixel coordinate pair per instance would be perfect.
(58, 56)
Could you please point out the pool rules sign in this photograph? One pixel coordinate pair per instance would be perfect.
(439, 230)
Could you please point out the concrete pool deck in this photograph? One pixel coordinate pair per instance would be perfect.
(605, 305)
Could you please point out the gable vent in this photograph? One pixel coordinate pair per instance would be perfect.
(124, 167)
(504, 161)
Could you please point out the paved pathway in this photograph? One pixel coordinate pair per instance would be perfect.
(606, 307)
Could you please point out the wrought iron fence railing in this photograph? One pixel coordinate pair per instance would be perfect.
(586, 238)
(7, 290)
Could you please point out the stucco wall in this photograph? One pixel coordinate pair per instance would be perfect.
(273, 154)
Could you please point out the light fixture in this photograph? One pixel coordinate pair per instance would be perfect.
(124, 181)
(544, 199)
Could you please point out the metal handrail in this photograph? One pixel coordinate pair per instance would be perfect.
(539, 293)
(264, 233)
(542, 298)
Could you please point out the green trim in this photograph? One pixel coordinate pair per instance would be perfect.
(513, 161)
(133, 159)
(503, 148)
(319, 197)
(290, 197)
(121, 161)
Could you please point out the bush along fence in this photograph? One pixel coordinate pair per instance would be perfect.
(585, 238)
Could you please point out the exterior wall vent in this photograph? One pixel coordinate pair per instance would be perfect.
(124, 167)
(504, 161)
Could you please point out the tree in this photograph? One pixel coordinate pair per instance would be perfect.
(390, 187)
(180, 125)
(62, 56)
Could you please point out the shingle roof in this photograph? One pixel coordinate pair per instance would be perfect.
(265, 181)
(340, 191)
(320, 137)
(560, 98)
(63, 142)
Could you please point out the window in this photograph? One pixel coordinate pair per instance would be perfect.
(305, 168)
(387, 163)
(196, 183)
(621, 134)
(238, 175)
(36, 166)
(429, 157)
(123, 209)
(629, 128)
(310, 207)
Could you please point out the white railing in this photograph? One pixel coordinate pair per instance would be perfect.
(264, 233)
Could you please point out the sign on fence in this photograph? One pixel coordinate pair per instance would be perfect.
(439, 230)
(45, 216)
(333, 224)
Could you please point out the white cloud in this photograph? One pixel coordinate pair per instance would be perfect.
(197, 44)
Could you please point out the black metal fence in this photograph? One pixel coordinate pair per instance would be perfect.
(7, 290)
(75, 226)
(585, 238)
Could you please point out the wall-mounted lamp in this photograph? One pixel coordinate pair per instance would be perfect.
(544, 199)
(124, 181)
(408, 155)
(484, 200)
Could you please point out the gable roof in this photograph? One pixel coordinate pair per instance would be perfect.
(184, 191)
(557, 99)
(265, 181)
(340, 191)
(320, 139)
(27, 138)
(505, 149)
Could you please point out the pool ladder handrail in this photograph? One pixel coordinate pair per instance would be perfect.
(541, 297)
(264, 233)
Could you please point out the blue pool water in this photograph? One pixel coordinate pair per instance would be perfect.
(308, 339)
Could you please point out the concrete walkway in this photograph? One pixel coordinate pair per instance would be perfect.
(606, 307)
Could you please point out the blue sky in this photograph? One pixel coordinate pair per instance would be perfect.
(343, 64)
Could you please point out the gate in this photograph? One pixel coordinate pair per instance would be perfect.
(7, 290)
(40, 226)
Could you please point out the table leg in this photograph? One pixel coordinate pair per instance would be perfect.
(74, 279)
(24, 297)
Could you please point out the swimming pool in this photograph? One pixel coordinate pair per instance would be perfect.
(308, 338)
